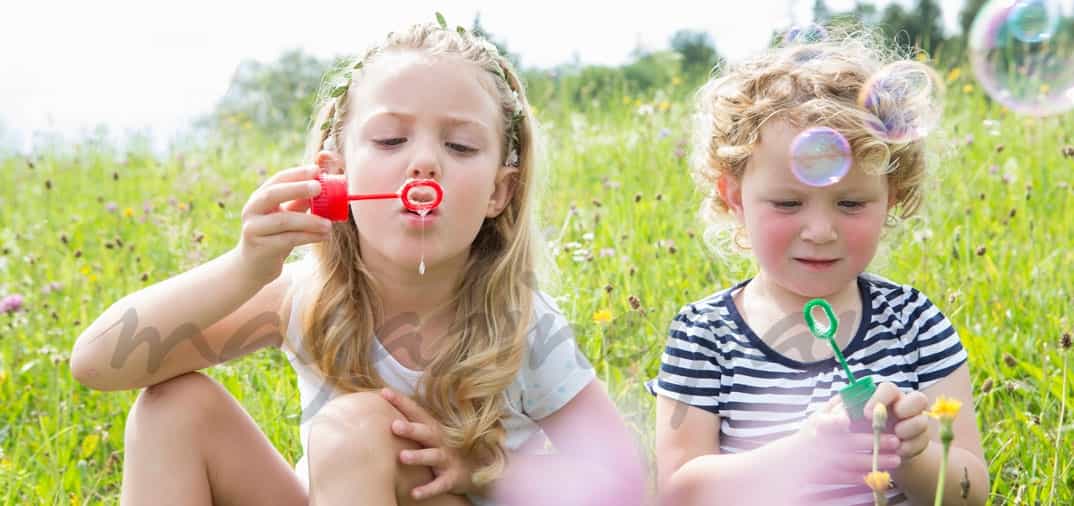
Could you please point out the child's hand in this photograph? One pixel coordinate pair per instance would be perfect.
(452, 471)
(274, 222)
(906, 417)
(830, 453)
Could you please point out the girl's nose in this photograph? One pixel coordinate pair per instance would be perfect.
(425, 168)
(819, 230)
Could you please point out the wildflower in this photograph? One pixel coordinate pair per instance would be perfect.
(663, 133)
(954, 74)
(664, 106)
(11, 303)
(675, 81)
(128, 212)
(878, 481)
(111, 207)
(602, 316)
(945, 409)
(1064, 341)
(967, 89)
(633, 300)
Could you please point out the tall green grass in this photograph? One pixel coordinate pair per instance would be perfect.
(993, 248)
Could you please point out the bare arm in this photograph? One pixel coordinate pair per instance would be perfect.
(202, 317)
(692, 471)
(206, 315)
(917, 477)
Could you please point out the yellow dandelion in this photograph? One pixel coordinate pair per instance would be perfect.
(664, 105)
(967, 89)
(637, 102)
(92, 278)
(878, 481)
(602, 316)
(182, 206)
(922, 57)
(945, 408)
(1044, 88)
(626, 100)
(675, 81)
(85, 270)
(246, 125)
(5, 464)
(954, 74)
(3, 377)
(128, 212)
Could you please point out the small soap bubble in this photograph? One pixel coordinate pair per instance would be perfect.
(905, 99)
(820, 156)
(805, 34)
(1022, 53)
(1033, 20)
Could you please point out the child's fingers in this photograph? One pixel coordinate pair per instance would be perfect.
(912, 427)
(267, 199)
(329, 161)
(277, 223)
(417, 432)
(862, 463)
(293, 174)
(407, 406)
(886, 393)
(911, 404)
(431, 457)
(441, 485)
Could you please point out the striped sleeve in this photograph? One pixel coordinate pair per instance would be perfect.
(935, 341)
(689, 369)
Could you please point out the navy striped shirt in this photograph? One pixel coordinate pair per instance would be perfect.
(715, 362)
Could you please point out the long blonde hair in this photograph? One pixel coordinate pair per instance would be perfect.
(464, 386)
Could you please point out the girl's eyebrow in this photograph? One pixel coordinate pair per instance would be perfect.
(450, 120)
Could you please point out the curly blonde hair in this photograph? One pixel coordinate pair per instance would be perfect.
(815, 84)
(463, 386)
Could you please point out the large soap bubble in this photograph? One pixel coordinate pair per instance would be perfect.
(1022, 52)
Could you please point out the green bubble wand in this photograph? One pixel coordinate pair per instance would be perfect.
(859, 390)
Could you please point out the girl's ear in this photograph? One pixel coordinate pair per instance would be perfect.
(329, 161)
(502, 191)
(730, 190)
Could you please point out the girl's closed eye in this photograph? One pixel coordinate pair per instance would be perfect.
(852, 205)
(786, 205)
(390, 141)
(461, 148)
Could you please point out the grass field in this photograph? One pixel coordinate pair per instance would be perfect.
(993, 248)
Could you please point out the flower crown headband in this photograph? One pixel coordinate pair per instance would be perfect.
(338, 95)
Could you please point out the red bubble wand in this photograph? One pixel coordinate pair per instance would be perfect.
(332, 202)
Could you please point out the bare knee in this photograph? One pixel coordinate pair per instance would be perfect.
(352, 434)
(185, 402)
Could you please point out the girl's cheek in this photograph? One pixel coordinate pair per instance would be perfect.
(772, 234)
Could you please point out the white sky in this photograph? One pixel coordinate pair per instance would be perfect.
(68, 66)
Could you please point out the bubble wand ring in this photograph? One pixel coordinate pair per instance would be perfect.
(859, 391)
(332, 202)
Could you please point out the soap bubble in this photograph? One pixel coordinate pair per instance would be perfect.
(805, 34)
(906, 100)
(820, 156)
(1022, 52)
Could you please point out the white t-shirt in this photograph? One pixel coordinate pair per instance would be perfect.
(553, 371)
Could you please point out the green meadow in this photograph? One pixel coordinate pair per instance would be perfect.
(86, 224)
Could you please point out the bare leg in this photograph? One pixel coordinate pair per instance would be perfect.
(353, 453)
(187, 441)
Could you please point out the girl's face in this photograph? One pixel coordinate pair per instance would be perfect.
(810, 241)
(416, 116)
